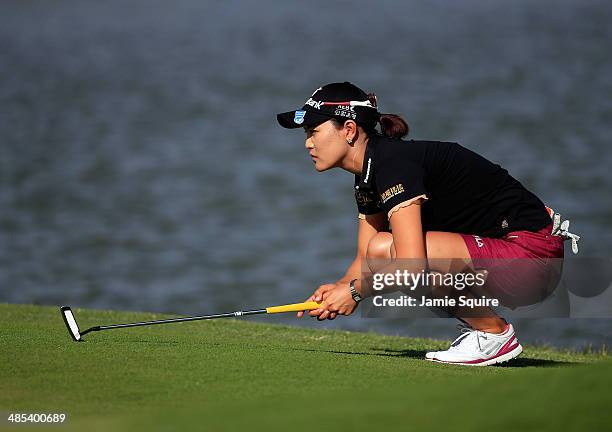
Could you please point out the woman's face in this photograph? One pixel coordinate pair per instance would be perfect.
(326, 145)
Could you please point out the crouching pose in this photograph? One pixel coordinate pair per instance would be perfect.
(436, 205)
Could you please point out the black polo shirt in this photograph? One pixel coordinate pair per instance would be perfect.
(465, 192)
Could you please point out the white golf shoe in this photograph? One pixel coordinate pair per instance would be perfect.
(477, 348)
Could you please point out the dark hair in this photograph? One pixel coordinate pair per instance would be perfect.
(391, 125)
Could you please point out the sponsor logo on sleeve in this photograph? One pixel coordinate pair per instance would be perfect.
(391, 192)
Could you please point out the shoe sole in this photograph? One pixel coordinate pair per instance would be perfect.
(496, 360)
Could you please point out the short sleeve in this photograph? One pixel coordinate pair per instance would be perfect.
(367, 201)
(399, 179)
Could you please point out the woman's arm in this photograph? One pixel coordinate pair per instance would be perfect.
(368, 227)
(408, 236)
(409, 243)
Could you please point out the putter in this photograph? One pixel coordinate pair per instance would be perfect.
(77, 335)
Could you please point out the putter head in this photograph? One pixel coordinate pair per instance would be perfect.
(71, 323)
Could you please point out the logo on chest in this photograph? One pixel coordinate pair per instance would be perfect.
(364, 198)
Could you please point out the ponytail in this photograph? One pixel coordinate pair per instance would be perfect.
(393, 126)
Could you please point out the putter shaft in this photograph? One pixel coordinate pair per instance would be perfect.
(171, 320)
(73, 327)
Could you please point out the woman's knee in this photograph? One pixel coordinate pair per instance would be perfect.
(380, 246)
(380, 250)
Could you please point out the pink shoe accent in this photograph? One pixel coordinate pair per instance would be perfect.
(508, 346)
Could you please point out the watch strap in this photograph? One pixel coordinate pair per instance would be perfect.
(354, 292)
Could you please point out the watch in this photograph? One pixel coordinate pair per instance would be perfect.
(354, 292)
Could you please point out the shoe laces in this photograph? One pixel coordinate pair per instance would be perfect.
(466, 332)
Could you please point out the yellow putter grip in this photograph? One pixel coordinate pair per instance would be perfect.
(296, 307)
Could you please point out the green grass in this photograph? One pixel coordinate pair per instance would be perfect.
(230, 374)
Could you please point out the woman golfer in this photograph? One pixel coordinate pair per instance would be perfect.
(432, 202)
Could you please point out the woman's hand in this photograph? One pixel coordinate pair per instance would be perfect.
(300, 314)
(336, 298)
(318, 296)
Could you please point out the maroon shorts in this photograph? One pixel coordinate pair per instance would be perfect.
(524, 267)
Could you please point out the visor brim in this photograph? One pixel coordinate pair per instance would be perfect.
(308, 119)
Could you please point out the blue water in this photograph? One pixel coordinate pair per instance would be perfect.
(141, 166)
